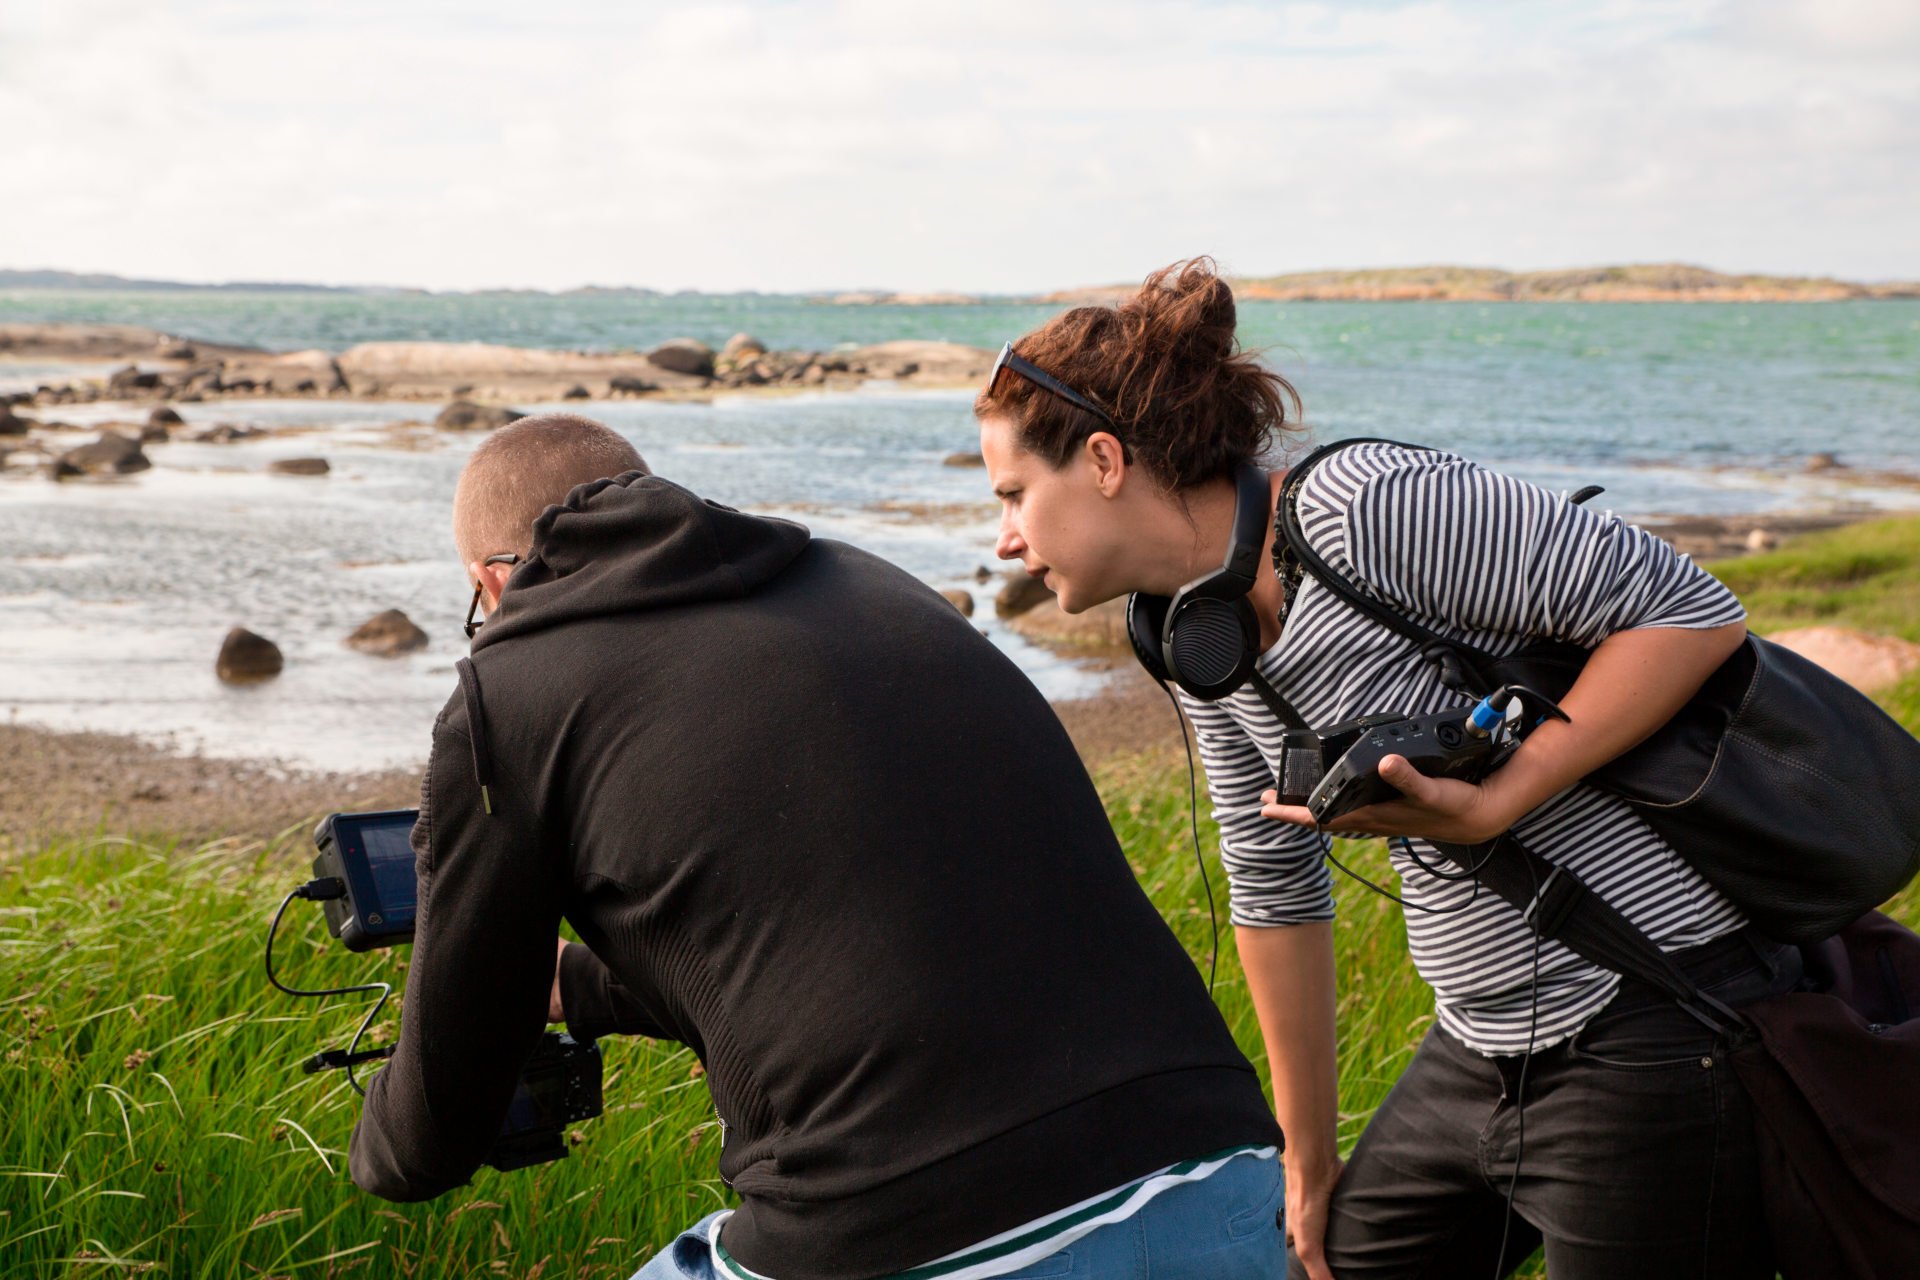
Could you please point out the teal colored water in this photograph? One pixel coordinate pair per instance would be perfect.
(114, 596)
(1680, 384)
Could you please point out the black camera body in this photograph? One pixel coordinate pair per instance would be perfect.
(1335, 771)
(372, 855)
(559, 1086)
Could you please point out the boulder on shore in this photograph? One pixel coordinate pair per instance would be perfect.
(1866, 661)
(741, 349)
(576, 392)
(387, 634)
(299, 466)
(1022, 592)
(683, 355)
(130, 381)
(622, 384)
(246, 657)
(11, 424)
(960, 599)
(111, 454)
(963, 460)
(165, 417)
(1103, 627)
(465, 415)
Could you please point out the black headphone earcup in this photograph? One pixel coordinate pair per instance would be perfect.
(1146, 615)
(1208, 646)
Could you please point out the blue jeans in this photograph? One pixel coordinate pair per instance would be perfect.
(1225, 1227)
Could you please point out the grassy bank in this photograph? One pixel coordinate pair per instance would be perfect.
(155, 1120)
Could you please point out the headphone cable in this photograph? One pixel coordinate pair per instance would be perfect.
(1193, 824)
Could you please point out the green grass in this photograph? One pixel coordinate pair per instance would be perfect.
(153, 1117)
(1865, 576)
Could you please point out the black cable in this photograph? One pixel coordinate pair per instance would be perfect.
(1520, 1089)
(1471, 872)
(316, 890)
(1193, 822)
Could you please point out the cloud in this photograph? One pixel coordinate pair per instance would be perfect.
(995, 146)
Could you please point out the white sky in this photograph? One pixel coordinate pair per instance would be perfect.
(988, 146)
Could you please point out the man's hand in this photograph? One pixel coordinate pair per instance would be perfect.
(557, 1012)
(1441, 809)
(1308, 1197)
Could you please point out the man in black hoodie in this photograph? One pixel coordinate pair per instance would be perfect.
(810, 823)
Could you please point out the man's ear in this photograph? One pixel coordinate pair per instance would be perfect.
(1108, 459)
(492, 579)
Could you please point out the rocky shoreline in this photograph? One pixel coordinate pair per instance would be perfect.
(162, 367)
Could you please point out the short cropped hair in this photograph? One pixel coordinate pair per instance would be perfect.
(525, 467)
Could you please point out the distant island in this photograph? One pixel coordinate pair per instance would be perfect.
(1643, 282)
(1646, 282)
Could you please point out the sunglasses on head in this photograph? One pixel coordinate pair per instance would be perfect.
(1046, 382)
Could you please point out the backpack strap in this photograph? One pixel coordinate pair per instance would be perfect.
(1463, 667)
(1559, 907)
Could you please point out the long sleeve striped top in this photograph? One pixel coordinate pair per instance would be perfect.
(1499, 563)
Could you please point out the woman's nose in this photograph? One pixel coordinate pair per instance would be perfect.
(1010, 546)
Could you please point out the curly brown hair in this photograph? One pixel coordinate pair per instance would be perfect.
(1190, 404)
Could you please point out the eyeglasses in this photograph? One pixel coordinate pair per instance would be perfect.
(473, 624)
(1047, 382)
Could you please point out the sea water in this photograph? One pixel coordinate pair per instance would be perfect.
(114, 594)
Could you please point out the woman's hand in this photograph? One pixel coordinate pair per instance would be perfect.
(1431, 808)
(1309, 1193)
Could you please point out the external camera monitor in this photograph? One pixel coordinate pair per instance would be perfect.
(372, 854)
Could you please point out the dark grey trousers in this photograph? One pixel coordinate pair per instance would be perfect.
(1638, 1158)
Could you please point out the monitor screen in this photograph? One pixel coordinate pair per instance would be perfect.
(390, 863)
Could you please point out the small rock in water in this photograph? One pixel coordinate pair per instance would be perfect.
(963, 460)
(465, 415)
(1022, 592)
(227, 433)
(154, 433)
(983, 574)
(961, 600)
(165, 417)
(624, 385)
(10, 423)
(1761, 540)
(246, 657)
(299, 466)
(388, 634)
(683, 355)
(577, 392)
(1822, 462)
(111, 454)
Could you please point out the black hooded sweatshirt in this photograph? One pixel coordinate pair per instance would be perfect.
(819, 829)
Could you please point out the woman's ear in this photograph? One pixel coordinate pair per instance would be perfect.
(1108, 460)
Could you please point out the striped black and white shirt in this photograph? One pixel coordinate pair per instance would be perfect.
(1499, 563)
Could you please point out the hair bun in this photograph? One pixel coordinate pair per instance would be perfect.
(1185, 307)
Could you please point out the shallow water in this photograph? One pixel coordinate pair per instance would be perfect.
(114, 595)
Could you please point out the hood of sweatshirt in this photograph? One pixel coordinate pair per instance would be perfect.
(623, 545)
(637, 542)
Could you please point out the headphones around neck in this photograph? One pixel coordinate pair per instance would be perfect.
(1205, 638)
